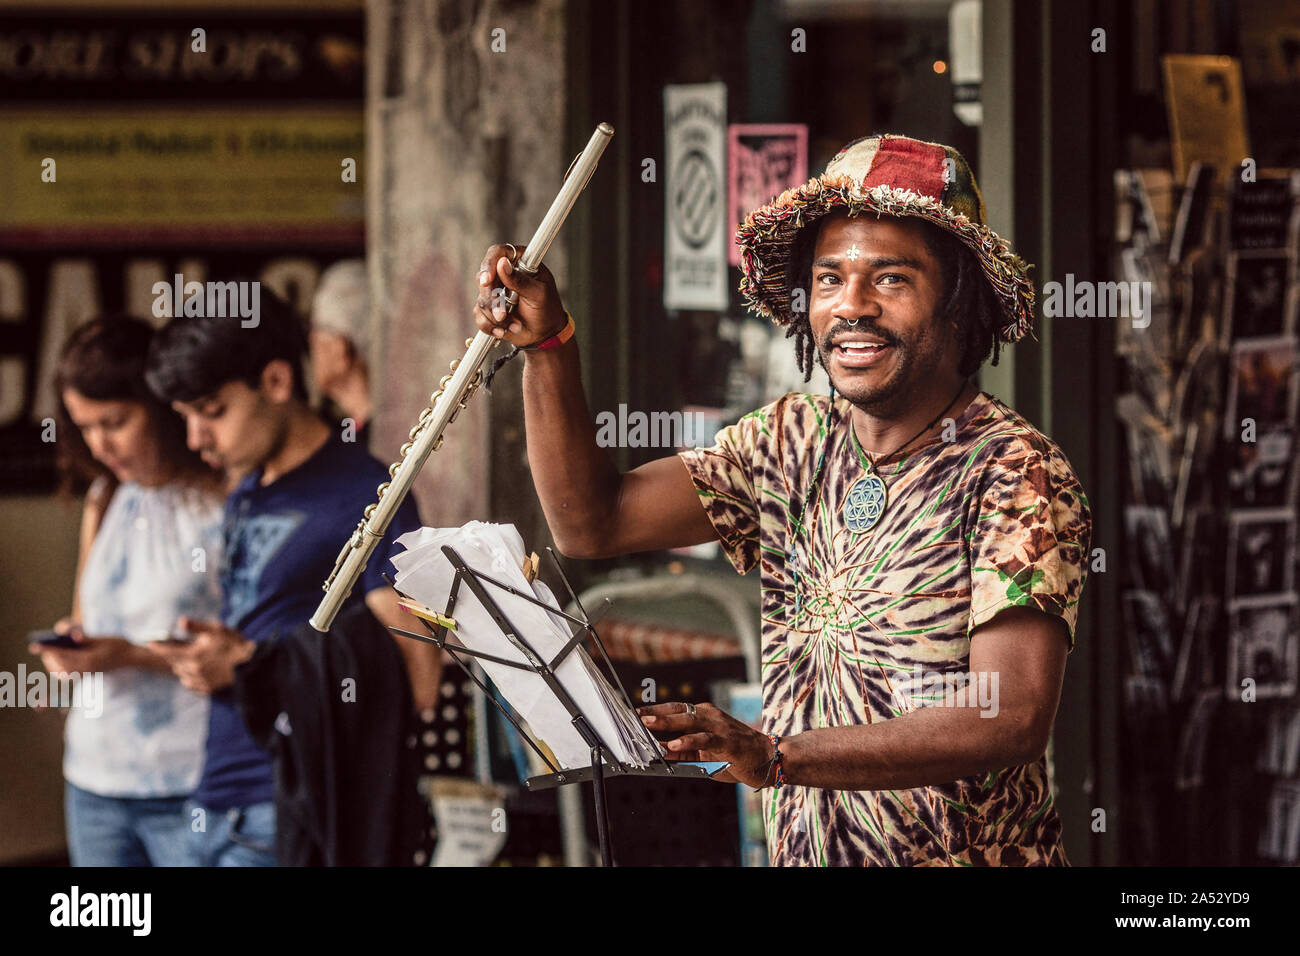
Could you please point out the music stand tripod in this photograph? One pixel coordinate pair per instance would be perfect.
(603, 760)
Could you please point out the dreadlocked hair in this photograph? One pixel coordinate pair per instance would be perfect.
(799, 277)
(967, 297)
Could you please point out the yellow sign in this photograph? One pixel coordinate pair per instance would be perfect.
(1207, 113)
(171, 174)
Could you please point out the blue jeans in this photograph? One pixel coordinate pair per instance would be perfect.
(240, 836)
(125, 831)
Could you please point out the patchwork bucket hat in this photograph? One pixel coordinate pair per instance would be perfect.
(891, 176)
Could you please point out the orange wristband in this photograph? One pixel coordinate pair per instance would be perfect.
(558, 339)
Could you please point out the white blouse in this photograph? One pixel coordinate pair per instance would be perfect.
(156, 557)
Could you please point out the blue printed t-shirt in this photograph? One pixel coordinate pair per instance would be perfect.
(281, 541)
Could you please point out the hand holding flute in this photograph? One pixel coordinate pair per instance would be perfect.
(538, 314)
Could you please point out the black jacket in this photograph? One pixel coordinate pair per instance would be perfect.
(334, 712)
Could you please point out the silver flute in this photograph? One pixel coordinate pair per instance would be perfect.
(452, 395)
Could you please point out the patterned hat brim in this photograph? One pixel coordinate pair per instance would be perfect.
(766, 239)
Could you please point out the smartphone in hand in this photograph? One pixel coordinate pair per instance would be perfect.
(164, 637)
(48, 637)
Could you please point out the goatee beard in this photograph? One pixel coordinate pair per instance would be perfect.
(885, 401)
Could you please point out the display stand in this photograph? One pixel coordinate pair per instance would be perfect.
(603, 761)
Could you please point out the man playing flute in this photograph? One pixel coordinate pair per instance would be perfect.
(922, 548)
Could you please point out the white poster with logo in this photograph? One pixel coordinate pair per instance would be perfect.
(471, 820)
(695, 244)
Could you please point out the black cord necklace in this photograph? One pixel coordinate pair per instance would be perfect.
(868, 497)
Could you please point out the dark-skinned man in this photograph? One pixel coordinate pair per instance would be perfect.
(921, 547)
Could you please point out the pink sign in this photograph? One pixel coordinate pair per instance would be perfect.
(763, 161)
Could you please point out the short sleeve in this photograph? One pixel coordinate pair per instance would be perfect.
(1030, 542)
(406, 519)
(724, 479)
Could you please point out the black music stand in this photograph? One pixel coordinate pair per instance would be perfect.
(602, 757)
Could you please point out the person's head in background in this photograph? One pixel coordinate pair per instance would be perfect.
(109, 423)
(340, 339)
(239, 389)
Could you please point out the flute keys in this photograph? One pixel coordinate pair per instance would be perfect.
(406, 447)
(392, 469)
(468, 343)
(454, 363)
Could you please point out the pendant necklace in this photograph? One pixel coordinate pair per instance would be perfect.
(868, 497)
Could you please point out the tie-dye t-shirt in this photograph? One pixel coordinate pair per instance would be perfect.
(992, 519)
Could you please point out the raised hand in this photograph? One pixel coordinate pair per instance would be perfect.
(537, 315)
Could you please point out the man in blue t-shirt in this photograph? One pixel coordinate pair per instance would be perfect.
(300, 491)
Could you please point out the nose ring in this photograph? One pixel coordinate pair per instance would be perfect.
(853, 323)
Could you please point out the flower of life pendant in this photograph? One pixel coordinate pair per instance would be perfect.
(865, 503)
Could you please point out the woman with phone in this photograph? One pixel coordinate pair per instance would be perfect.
(150, 553)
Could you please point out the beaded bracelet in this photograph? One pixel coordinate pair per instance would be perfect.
(776, 759)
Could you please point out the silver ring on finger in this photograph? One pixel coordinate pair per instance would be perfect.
(690, 710)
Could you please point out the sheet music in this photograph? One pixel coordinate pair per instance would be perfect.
(496, 550)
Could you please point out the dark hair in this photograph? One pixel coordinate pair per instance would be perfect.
(193, 356)
(966, 294)
(104, 360)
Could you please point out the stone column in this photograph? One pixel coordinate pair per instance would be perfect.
(464, 125)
